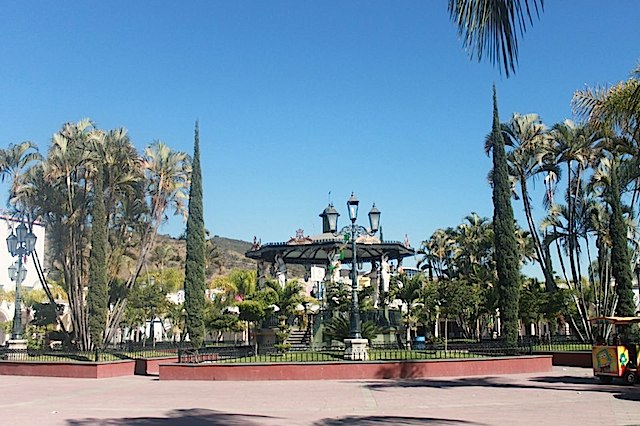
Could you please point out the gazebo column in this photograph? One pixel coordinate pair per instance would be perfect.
(374, 276)
(384, 283)
(281, 270)
(261, 274)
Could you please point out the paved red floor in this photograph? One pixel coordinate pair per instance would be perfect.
(566, 396)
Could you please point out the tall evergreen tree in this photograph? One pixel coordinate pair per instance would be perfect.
(620, 261)
(194, 283)
(506, 247)
(98, 295)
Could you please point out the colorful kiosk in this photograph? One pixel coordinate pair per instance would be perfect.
(614, 359)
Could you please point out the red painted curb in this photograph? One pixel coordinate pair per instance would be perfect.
(150, 366)
(357, 370)
(570, 359)
(84, 370)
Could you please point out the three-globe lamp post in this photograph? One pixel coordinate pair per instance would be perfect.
(20, 244)
(353, 231)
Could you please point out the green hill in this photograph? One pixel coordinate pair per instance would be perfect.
(231, 255)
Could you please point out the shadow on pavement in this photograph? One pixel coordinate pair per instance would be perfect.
(628, 396)
(192, 417)
(573, 380)
(389, 420)
(441, 384)
(562, 383)
(579, 384)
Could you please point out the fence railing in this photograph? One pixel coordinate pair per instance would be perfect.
(227, 353)
(126, 352)
(63, 355)
(326, 353)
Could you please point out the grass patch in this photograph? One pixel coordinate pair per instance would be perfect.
(155, 353)
(338, 355)
(568, 347)
(61, 357)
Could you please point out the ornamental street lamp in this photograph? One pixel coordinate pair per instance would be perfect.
(20, 244)
(353, 231)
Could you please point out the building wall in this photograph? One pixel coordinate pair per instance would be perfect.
(31, 281)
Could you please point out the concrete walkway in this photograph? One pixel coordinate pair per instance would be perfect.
(566, 396)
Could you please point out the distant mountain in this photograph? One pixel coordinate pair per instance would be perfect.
(231, 252)
(231, 255)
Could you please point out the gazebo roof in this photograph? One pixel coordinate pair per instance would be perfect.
(302, 250)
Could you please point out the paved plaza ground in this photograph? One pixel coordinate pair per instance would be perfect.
(566, 396)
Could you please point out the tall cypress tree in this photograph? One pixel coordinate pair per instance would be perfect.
(620, 261)
(506, 248)
(194, 282)
(98, 295)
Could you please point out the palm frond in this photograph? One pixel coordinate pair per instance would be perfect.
(491, 28)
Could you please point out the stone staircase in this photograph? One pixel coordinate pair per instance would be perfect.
(299, 339)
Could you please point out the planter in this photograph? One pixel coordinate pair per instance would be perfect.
(84, 370)
(151, 366)
(358, 370)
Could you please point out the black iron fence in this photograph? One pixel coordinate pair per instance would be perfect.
(240, 353)
(325, 353)
(66, 355)
(124, 351)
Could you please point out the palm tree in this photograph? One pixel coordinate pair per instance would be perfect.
(66, 173)
(287, 298)
(167, 181)
(121, 164)
(162, 254)
(527, 142)
(569, 238)
(617, 107)
(438, 253)
(338, 328)
(474, 244)
(124, 196)
(178, 317)
(243, 283)
(575, 147)
(407, 290)
(15, 161)
(616, 112)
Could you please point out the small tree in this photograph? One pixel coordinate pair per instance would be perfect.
(253, 312)
(218, 321)
(408, 291)
(146, 302)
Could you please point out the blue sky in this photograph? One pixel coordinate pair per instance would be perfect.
(296, 99)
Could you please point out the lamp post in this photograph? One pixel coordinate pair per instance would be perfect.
(20, 244)
(353, 231)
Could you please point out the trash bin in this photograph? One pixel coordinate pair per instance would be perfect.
(419, 343)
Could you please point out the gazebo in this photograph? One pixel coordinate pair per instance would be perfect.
(330, 250)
